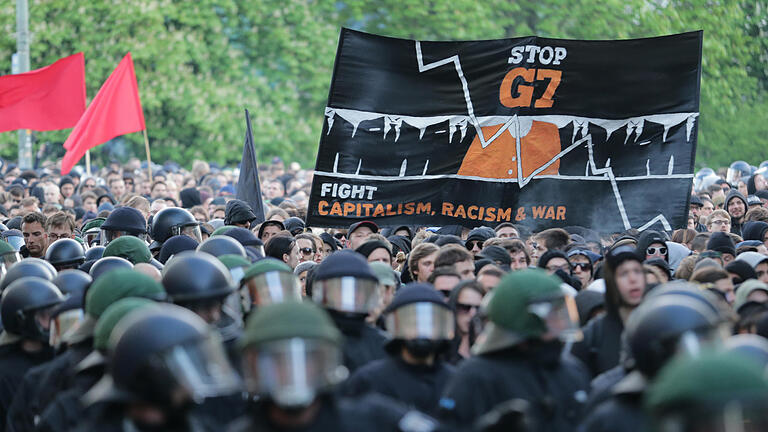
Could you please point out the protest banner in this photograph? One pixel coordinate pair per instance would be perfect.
(536, 131)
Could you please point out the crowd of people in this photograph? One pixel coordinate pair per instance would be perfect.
(132, 303)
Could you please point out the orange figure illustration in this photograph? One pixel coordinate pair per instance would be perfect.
(539, 143)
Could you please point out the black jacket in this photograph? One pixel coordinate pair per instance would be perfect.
(41, 385)
(600, 348)
(371, 413)
(14, 364)
(362, 343)
(623, 411)
(418, 387)
(556, 394)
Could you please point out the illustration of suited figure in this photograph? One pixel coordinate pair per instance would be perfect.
(575, 161)
(539, 144)
(635, 149)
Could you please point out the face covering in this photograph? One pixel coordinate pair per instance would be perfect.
(422, 348)
(547, 353)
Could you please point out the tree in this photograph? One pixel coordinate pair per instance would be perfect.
(199, 63)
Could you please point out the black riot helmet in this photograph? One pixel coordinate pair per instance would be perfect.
(65, 254)
(419, 318)
(222, 245)
(94, 253)
(666, 325)
(194, 276)
(25, 303)
(28, 267)
(106, 264)
(123, 221)
(162, 352)
(68, 315)
(172, 221)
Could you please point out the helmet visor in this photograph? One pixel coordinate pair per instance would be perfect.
(292, 372)
(64, 322)
(421, 321)
(16, 241)
(560, 317)
(733, 176)
(108, 235)
(7, 260)
(191, 230)
(347, 294)
(202, 368)
(91, 236)
(270, 287)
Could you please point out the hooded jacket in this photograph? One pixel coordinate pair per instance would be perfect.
(734, 194)
(600, 348)
(648, 238)
(238, 212)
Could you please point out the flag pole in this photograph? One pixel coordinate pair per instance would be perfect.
(88, 162)
(149, 158)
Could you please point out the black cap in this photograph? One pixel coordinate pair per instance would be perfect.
(356, 225)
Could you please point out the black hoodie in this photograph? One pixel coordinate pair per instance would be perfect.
(735, 225)
(648, 238)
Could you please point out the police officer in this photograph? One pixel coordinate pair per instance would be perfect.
(658, 329)
(65, 254)
(65, 411)
(41, 385)
(624, 290)
(162, 361)
(345, 285)
(519, 355)
(420, 326)
(107, 264)
(25, 309)
(131, 248)
(266, 282)
(721, 392)
(121, 222)
(198, 282)
(292, 364)
(173, 221)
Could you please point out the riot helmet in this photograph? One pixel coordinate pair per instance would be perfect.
(65, 254)
(738, 170)
(8, 257)
(345, 283)
(173, 221)
(419, 318)
(268, 281)
(28, 267)
(222, 245)
(123, 221)
(198, 281)
(26, 307)
(106, 264)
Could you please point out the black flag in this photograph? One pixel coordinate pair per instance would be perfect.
(248, 186)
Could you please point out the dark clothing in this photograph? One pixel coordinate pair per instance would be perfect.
(601, 388)
(735, 224)
(14, 364)
(417, 386)
(112, 419)
(371, 413)
(622, 412)
(555, 392)
(362, 343)
(600, 348)
(41, 385)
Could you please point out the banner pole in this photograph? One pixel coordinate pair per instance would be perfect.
(88, 162)
(149, 158)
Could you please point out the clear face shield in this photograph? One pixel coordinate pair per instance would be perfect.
(91, 236)
(16, 241)
(731, 416)
(107, 236)
(560, 317)
(63, 323)
(421, 321)
(192, 231)
(347, 294)
(201, 368)
(293, 372)
(733, 176)
(7, 260)
(268, 288)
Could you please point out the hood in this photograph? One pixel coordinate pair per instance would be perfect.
(735, 194)
(754, 230)
(613, 259)
(745, 289)
(238, 212)
(676, 253)
(648, 238)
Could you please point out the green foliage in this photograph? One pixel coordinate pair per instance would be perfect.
(199, 63)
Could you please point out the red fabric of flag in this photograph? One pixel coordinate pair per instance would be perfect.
(116, 110)
(45, 99)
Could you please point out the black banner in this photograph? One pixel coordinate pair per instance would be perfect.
(535, 131)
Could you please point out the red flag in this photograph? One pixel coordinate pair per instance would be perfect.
(45, 99)
(116, 110)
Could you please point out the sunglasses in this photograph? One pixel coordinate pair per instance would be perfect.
(471, 244)
(582, 266)
(463, 307)
(307, 251)
(653, 250)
